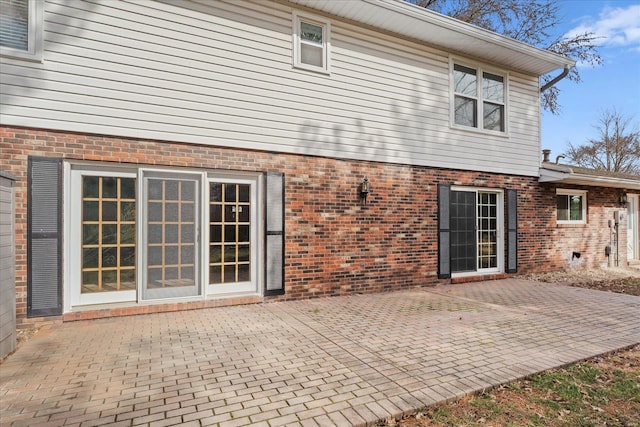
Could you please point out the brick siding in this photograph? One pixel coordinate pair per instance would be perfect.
(335, 244)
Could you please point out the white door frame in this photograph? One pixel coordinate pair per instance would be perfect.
(251, 287)
(73, 239)
(633, 235)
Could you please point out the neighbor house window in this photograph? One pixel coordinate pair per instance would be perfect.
(311, 43)
(21, 28)
(478, 99)
(571, 206)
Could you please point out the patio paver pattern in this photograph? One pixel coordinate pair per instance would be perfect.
(337, 361)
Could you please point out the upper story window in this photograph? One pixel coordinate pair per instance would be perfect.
(311, 43)
(571, 206)
(21, 28)
(479, 99)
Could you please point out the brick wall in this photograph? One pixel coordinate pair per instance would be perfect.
(335, 244)
(589, 239)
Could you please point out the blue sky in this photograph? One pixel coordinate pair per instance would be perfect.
(613, 85)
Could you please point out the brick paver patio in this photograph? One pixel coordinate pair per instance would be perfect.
(327, 362)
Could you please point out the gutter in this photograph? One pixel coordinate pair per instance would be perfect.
(559, 77)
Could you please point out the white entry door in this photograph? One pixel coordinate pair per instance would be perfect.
(632, 227)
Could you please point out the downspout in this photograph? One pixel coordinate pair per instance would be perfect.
(561, 76)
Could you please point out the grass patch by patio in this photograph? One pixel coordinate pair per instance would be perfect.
(602, 391)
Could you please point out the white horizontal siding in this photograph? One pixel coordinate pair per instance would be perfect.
(220, 73)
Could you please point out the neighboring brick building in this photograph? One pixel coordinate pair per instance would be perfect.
(221, 159)
(605, 233)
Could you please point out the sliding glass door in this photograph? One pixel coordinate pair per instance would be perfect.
(170, 235)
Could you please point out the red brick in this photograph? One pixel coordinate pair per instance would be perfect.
(335, 244)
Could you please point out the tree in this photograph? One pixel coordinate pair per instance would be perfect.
(529, 21)
(617, 148)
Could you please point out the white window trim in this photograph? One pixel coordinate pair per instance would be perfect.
(569, 192)
(501, 231)
(35, 36)
(326, 31)
(480, 69)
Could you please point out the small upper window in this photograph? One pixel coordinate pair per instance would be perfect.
(478, 99)
(571, 206)
(311, 43)
(21, 28)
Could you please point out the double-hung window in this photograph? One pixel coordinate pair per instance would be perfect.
(21, 28)
(479, 99)
(311, 42)
(571, 206)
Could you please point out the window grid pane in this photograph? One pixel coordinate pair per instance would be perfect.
(108, 234)
(172, 228)
(230, 233)
(487, 230)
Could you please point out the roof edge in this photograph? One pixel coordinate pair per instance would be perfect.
(436, 18)
(566, 175)
(406, 20)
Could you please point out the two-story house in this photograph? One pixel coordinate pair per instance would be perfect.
(183, 154)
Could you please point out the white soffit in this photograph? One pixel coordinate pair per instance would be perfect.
(411, 21)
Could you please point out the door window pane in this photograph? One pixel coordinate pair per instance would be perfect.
(171, 235)
(108, 234)
(487, 231)
(463, 231)
(229, 233)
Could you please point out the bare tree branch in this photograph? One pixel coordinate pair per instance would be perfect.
(529, 21)
(616, 149)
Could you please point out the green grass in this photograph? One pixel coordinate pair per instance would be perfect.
(585, 394)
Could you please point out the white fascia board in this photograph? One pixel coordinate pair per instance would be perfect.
(588, 180)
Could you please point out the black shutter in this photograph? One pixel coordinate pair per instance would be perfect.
(444, 232)
(274, 239)
(44, 237)
(512, 231)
